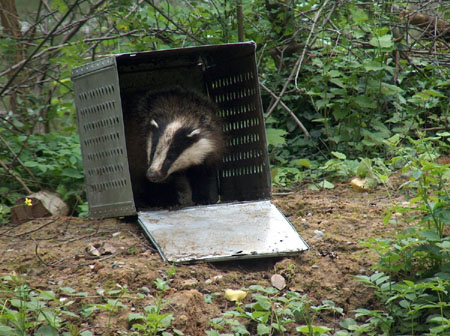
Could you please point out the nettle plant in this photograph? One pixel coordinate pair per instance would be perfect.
(273, 313)
(413, 284)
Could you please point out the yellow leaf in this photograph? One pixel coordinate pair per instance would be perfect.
(235, 295)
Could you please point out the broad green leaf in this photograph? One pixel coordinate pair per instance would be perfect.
(373, 66)
(304, 162)
(365, 102)
(326, 185)
(263, 329)
(339, 155)
(390, 90)
(359, 15)
(46, 330)
(275, 136)
(384, 41)
(434, 93)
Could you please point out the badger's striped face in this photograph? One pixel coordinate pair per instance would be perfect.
(173, 147)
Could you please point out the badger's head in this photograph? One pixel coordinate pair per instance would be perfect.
(178, 144)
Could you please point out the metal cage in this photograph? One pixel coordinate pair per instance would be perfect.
(226, 73)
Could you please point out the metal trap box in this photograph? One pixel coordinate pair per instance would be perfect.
(228, 75)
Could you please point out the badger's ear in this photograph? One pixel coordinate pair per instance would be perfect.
(154, 123)
(193, 133)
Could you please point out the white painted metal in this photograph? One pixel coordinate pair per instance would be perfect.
(222, 232)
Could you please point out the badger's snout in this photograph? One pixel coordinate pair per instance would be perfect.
(155, 176)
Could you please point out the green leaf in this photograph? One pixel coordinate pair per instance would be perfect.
(275, 136)
(69, 290)
(7, 331)
(390, 90)
(430, 235)
(71, 172)
(384, 41)
(46, 330)
(359, 15)
(338, 82)
(326, 185)
(135, 316)
(373, 65)
(348, 323)
(434, 93)
(339, 155)
(86, 333)
(263, 329)
(30, 164)
(365, 102)
(304, 162)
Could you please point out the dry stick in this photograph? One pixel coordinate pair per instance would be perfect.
(37, 229)
(292, 114)
(299, 62)
(10, 172)
(5, 87)
(174, 23)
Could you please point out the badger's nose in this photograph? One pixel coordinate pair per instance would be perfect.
(154, 176)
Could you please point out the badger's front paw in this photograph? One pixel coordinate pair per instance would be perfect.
(185, 198)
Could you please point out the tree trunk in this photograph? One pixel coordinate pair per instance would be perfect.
(9, 19)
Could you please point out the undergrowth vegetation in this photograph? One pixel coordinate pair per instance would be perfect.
(369, 88)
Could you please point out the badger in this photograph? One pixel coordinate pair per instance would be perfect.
(174, 144)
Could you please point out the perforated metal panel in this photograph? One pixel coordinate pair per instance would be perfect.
(233, 85)
(102, 137)
(227, 73)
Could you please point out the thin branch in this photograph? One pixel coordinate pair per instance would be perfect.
(16, 157)
(5, 87)
(18, 179)
(292, 114)
(174, 23)
(297, 66)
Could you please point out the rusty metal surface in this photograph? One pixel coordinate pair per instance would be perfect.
(221, 232)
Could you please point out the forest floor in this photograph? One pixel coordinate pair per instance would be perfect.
(50, 253)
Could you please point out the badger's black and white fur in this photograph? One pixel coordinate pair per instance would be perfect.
(173, 139)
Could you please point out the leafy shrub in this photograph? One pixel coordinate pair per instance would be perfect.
(44, 161)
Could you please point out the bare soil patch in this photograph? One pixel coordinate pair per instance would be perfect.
(51, 253)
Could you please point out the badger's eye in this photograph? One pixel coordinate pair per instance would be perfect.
(154, 123)
(193, 133)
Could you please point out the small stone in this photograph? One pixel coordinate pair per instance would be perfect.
(318, 234)
(362, 271)
(278, 281)
(93, 251)
(217, 278)
(97, 266)
(309, 214)
(189, 283)
(208, 281)
(115, 234)
(315, 266)
(144, 290)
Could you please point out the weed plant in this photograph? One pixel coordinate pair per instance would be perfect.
(271, 312)
(413, 279)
